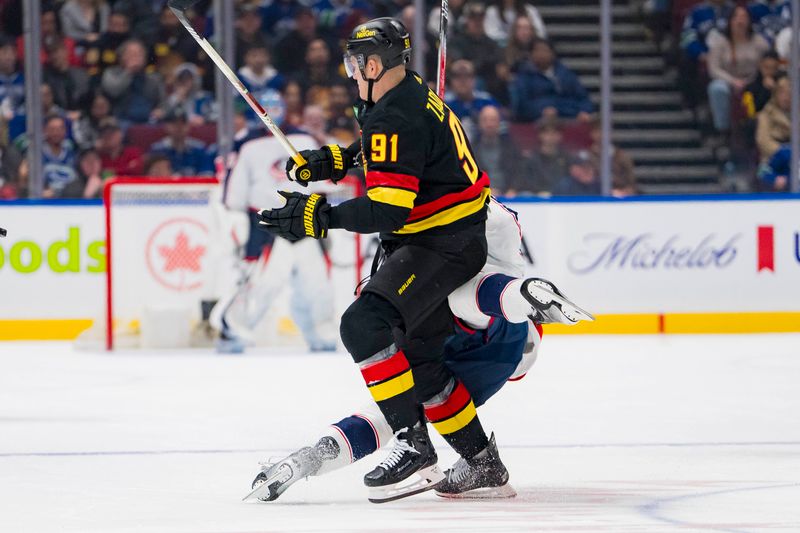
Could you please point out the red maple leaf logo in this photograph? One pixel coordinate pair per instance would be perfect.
(182, 256)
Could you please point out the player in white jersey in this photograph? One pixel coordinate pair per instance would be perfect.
(498, 316)
(271, 264)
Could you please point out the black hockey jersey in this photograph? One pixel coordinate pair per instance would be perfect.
(416, 155)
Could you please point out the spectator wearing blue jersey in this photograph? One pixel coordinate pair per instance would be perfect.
(463, 98)
(12, 81)
(338, 17)
(258, 74)
(544, 87)
(770, 17)
(188, 156)
(773, 176)
(58, 157)
(278, 17)
(698, 24)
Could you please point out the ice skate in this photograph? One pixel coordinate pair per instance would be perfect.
(409, 469)
(483, 476)
(549, 305)
(276, 477)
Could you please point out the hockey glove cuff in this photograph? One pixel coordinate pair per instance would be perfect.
(330, 162)
(303, 216)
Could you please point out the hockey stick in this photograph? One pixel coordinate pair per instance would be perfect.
(441, 74)
(179, 8)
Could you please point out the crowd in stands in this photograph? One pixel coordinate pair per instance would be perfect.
(127, 92)
(735, 56)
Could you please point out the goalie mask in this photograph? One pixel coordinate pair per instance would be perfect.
(384, 37)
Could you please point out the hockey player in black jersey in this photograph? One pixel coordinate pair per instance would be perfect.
(427, 198)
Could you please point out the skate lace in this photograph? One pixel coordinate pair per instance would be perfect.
(393, 459)
(459, 471)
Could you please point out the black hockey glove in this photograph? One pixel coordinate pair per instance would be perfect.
(302, 216)
(331, 162)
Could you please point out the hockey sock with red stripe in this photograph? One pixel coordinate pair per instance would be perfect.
(452, 413)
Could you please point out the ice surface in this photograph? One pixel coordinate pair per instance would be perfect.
(606, 434)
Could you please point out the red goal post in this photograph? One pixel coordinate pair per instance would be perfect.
(162, 248)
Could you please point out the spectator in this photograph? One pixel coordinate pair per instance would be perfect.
(473, 44)
(732, 64)
(463, 99)
(17, 125)
(133, 92)
(501, 14)
(520, 44)
(290, 51)
(69, 84)
(143, 15)
(770, 17)
(84, 20)
(292, 96)
(546, 88)
(117, 158)
(337, 18)
(623, 177)
(548, 163)
(12, 82)
(15, 182)
(783, 44)
(58, 157)
(87, 129)
(582, 178)
(701, 20)
(50, 31)
(188, 95)
(773, 175)
(314, 125)
(495, 152)
(9, 165)
(341, 119)
(455, 15)
(774, 121)
(248, 31)
(158, 166)
(188, 156)
(759, 91)
(173, 45)
(258, 74)
(90, 178)
(102, 53)
(317, 74)
(280, 17)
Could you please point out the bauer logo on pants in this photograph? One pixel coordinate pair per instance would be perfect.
(175, 254)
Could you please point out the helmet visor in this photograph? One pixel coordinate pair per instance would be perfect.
(352, 64)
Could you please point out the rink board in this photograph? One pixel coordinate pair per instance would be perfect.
(708, 264)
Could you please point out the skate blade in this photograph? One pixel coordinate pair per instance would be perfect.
(423, 480)
(569, 309)
(483, 493)
(262, 490)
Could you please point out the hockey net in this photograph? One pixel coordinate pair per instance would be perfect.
(165, 244)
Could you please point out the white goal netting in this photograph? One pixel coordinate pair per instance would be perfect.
(167, 252)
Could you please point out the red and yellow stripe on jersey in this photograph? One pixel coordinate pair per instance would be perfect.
(401, 190)
(389, 377)
(453, 413)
